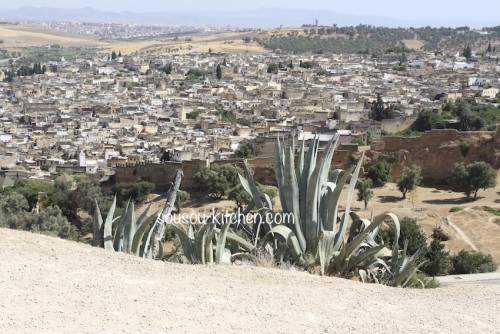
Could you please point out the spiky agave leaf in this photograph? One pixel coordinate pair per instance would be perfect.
(97, 239)
(221, 243)
(120, 229)
(326, 242)
(343, 225)
(251, 185)
(146, 249)
(108, 226)
(288, 237)
(143, 223)
(129, 229)
(187, 241)
(203, 243)
(333, 200)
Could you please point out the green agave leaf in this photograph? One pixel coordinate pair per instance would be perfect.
(363, 276)
(120, 229)
(205, 233)
(254, 191)
(333, 207)
(292, 198)
(326, 242)
(366, 255)
(221, 243)
(143, 226)
(129, 231)
(145, 248)
(288, 236)
(352, 184)
(97, 238)
(242, 243)
(108, 227)
(187, 241)
(269, 202)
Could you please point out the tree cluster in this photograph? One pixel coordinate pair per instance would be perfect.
(58, 204)
(437, 260)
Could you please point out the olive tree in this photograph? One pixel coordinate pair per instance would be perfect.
(470, 178)
(409, 179)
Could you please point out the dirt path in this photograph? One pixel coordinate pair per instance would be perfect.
(50, 285)
(461, 233)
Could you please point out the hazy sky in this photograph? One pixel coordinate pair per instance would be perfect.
(479, 10)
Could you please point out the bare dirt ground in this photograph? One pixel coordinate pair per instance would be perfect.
(50, 285)
(20, 36)
(472, 228)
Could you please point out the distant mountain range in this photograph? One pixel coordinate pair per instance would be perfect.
(261, 18)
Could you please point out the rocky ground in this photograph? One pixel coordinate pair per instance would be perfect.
(50, 285)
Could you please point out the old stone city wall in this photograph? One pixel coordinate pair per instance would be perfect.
(163, 173)
(437, 151)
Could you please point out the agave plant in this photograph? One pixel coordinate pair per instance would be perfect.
(311, 194)
(132, 235)
(206, 243)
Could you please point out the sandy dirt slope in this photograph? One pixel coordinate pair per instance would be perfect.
(50, 285)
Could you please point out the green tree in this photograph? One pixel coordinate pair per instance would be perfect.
(438, 260)
(194, 74)
(239, 195)
(181, 199)
(473, 177)
(380, 173)
(217, 180)
(51, 222)
(425, 121)
(365, 192)
(272, 68)
(218, 72)
(379, 111)
(409, 179)
(467, 52)
(30, 188)
(139, 191)
(244, 151)
(13, 209)
(113, 55)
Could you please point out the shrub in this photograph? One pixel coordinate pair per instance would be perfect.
(491, 210)
(410, 231)
(472, 262)
(464, 149)
(456, 209)
(139, 190)
(244, 151)
(181, 199)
